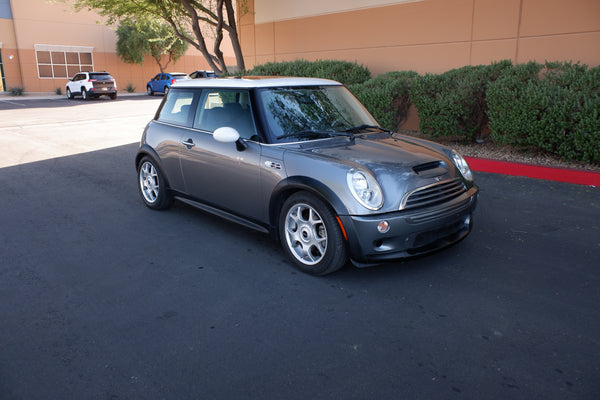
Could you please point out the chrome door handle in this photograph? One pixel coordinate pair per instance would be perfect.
(189, 143)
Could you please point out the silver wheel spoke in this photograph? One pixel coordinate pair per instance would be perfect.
(149, 182)
(306, 235)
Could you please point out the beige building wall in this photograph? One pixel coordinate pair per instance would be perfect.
(422, 35)
(40, 22)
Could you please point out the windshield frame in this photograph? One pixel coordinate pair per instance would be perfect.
(278, 136)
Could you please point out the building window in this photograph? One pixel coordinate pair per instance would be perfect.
(63, 61)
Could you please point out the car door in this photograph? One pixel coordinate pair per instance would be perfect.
(164, 83)
(155, 83)
(75, 84)
(218, 173)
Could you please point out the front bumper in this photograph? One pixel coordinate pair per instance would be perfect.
(410, 233)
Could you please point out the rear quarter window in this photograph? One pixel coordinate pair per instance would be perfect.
(177, 108)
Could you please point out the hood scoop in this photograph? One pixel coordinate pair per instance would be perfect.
(434, 168)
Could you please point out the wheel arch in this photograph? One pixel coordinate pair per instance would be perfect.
(148, 151)
(291, 185)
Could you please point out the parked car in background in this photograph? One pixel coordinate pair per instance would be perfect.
(303, 160)
(91, 85)
(203, 74)
(162, 82)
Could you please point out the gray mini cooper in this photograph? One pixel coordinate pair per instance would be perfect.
(302, 160)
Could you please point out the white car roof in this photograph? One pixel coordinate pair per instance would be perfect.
(254, 82)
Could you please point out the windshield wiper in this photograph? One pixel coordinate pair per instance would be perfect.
(315, 133)
(359, 128)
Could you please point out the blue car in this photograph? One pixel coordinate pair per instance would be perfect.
(162, 82)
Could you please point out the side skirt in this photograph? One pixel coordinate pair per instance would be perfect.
(224, 214)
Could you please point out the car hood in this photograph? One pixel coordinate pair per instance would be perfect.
(399, 163)
(385, 154)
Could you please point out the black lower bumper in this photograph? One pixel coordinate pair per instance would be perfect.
(410, 233)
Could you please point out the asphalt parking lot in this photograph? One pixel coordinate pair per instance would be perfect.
(102, 298)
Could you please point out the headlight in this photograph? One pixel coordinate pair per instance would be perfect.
(462, 165)
(365, 189)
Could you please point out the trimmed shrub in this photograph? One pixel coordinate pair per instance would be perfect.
(554, 107)
(453, 104)
(386, 97)
(17, 91)
(345, 72)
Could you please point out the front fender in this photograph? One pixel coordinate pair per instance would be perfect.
(294, 184)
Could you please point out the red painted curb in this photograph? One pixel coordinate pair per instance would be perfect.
(535, 171)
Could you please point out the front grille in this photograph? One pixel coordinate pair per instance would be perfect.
(431, 195)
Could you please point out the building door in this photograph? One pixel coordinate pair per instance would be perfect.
(2, 79)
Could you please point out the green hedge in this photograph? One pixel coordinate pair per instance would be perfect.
(345, 72)
(453, 104)
(554, 107)
(386, 97)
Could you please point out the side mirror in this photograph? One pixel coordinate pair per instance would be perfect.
(227, 134)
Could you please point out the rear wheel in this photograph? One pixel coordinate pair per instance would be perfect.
(84, 94)
(152, 185)
(112, 96)
(166, 90)
(311, 235)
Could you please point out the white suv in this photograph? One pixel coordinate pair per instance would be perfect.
(92, 84)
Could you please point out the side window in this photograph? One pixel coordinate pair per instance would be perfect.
(218, 108)
(177, 107)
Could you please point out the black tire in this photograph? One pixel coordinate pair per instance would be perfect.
(311, 235)
(149, 90)
(69, 94)
(112, 96)
(84, 94)
(152, 185)
(167, 88)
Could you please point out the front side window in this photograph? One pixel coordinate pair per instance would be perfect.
(232, 108)
(320, 109)
(177, 107)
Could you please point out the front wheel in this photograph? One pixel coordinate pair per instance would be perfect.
(149, 91)
(311, 236)
(69, 94)
(152, 185)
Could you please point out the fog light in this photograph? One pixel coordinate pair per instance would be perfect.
(468, 220)
(383, 227)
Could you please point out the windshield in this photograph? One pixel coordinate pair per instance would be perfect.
(303, 113)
